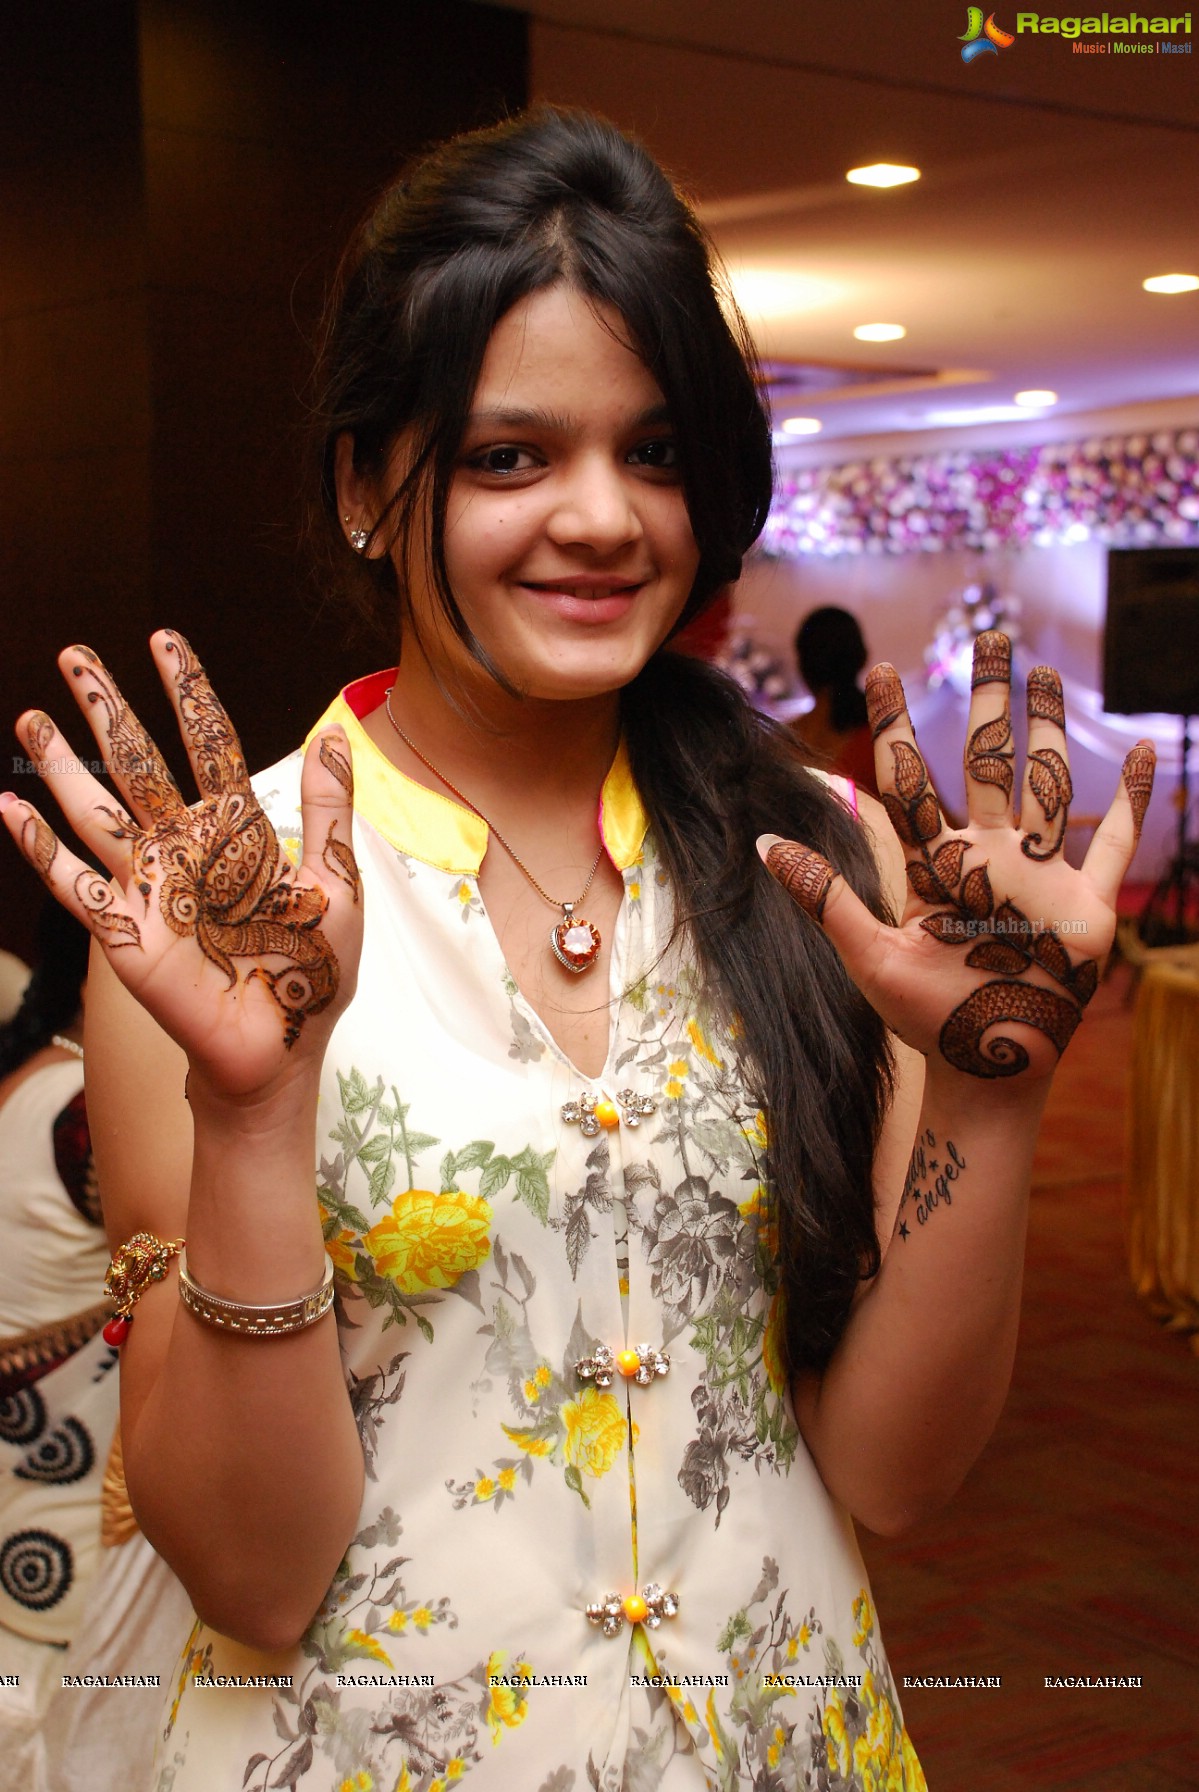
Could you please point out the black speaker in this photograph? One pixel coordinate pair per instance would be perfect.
(1151, 636)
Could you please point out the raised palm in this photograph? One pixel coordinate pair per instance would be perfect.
(1000, 942)
(232, 950)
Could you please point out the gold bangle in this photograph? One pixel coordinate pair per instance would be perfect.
(141, 1261)
(273, 1321)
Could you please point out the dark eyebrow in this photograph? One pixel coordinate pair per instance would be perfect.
(519, 418)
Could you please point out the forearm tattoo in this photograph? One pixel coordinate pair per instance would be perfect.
(217, 869)
(929, 1182)
(1048, 773)
(999, 937)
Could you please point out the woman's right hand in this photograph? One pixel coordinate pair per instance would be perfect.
(245, 961)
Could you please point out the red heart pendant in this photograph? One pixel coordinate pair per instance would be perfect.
(575, 944)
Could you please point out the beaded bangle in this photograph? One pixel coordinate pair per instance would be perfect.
(273, 1321)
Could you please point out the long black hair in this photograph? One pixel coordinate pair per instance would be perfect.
(831, 653)
(51, 1001)
(561, 197)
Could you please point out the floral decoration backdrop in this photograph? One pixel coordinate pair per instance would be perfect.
(1132, 491)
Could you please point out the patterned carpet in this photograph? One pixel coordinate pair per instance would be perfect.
(1072, 1547)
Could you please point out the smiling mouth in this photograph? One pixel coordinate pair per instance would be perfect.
(586, 593)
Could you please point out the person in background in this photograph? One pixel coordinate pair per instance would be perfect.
(58, 1399)
(14, 975)
(832, 656)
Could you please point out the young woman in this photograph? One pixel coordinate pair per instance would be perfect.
(635, 1308)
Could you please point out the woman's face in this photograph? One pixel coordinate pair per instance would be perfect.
(567, 539)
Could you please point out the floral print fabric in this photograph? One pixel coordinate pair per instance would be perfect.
(483, 1245)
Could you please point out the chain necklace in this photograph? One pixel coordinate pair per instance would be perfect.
(574, 942)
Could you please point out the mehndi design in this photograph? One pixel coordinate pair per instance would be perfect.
(803, 874)
(1137, 773)
(222, 879)
(133, 758)
(43, 848)
(97, 897)
(989, 754)
(1001, 939)
(992, 659)
(340, 860)
(336, 762)
(885, 702)
(39, 733)
(1048, 773)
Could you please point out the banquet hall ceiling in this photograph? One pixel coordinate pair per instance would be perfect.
(1054, 181)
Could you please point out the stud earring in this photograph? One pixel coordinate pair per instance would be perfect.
(358, 538)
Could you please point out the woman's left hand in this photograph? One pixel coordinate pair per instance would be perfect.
(1000, 943)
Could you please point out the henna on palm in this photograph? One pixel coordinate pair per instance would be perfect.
(221, 877)
(1001, 940)
(226, 884)
(108, 925)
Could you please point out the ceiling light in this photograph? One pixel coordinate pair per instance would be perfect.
(1171, 283)
(883, 174)
(801, 426)
(1035, 401)
(880, 332)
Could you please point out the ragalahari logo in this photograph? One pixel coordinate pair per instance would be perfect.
(983, 37)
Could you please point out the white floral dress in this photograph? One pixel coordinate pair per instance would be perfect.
(489, 1236)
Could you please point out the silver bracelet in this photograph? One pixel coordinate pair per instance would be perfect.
(248, 1321)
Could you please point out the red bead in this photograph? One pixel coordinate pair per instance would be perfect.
(117, 1330)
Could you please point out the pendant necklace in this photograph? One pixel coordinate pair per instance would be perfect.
(574, 942)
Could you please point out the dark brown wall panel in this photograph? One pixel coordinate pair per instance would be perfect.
(176, 180)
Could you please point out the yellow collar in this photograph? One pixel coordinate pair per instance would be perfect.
(435, 829)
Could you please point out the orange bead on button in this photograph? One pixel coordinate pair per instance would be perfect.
(628, 1362)
(607, 1113)
(611, 1613)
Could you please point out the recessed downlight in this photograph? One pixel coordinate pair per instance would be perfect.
(882, 174)
(1171, 283)
(880, 332)
(801, 426)
(1034, 400)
